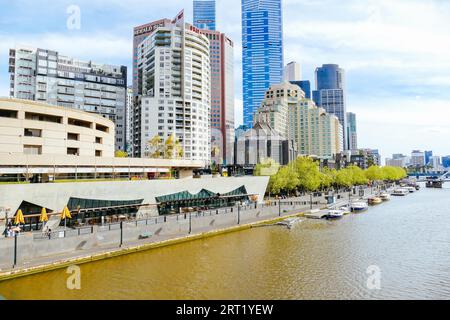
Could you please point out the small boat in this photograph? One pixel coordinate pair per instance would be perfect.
(417, 187)
(375, 200)
(385, 196)
(410, 189)
(401, 192)
(345, 210)
(289, 222)
(334, 214)
(359, 206)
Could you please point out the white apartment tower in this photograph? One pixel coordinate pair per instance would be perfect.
(173, 90)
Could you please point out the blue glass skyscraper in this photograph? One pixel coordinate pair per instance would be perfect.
(262, 51)
(205, 14)
(330, 94)
(305, 85)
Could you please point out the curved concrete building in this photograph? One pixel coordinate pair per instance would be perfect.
(34, 128)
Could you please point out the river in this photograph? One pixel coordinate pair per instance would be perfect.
(405, 242)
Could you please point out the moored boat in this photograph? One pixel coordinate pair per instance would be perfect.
(400, 192)
(375, 200)
(335, 214)
(358, 206)
(410, 189)
(385, 196)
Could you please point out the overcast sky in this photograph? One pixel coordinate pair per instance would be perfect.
(396, 53)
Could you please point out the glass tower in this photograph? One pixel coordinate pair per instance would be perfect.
(205, 14)
(330, 94)
(262, 51)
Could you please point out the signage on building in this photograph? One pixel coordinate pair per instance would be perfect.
(148, 28)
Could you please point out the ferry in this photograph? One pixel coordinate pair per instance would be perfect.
(401, 192)
(385, 196)
(375, 200)
(359, 206)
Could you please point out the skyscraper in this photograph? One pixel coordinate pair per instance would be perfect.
(428, 155)
(262, 51)
(330, 94)
(47, 76)
(305, 85)
(205, 14)
(352, 135)
(174, 84)
(292, 72)
(222, 96)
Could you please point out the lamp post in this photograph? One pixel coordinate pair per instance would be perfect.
(239, 214)
(121, 234)
(190, 222)
(311, 200)
(15, 250)
(279, 207)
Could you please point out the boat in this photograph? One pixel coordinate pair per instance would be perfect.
(359, 206)
(417, 187)
(375, 200)
(385, 196)
(345, 210)
(401, 192)
(289, 222)
(410, 189)
(334, 214)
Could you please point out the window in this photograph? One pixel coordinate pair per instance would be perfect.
(8, 113)
(33, 133)
(98, 153)
(73, 136)
(42, 117)
(79, 123)
(72, 151)
(102, 128)
(98, 140)
(32, 150)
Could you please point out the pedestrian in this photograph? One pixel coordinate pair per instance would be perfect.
(49, 234)
(5, 232)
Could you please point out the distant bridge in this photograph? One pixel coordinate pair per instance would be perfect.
(434, 176)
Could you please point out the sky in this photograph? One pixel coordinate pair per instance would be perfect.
(396, 53)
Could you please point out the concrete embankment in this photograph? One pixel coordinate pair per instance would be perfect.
(96, 254)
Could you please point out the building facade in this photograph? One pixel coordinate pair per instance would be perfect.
(205, 14)
(129, 120)
(35, 128)
(262, 51)
(173, 90)
(352, 134)
(262, 142)
(417, 158)
(275, 108)
(292, 72)
(222, 97)
(305, 85)
(446, 162)
(330, 94)
(49, 77)
(315, 132)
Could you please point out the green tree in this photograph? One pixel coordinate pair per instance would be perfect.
(121, 154)
(374, 173)
(308, 173)
(156, 145)
(267, 167)
(173, 148)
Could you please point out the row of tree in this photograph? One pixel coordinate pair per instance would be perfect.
(304, 174)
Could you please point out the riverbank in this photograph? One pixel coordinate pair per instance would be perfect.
(97, 254)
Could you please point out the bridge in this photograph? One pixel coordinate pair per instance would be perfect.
(435, 176)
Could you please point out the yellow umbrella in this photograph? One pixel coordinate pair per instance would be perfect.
(66, 214)
(19, 218)
(44, 216)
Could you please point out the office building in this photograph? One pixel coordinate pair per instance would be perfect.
(428, 155)
(49, 77)
(417, 158)
(174, 90)
(262, 51)
(305, 85)
(222, 97)
(399, 162)
(129, 120)
(330, 94)
(352, 135)
(292, 72)
(205, 14)
(446, 162)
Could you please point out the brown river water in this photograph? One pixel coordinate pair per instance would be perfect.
(406, 240)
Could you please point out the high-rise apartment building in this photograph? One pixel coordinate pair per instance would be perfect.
(47, 76)
(173, 89)
(315, 131)
(205, 14)
(222, 97)
(352, 135)
(330, 94)
(275, 107)
(417, 158)
(292, 72)
(129, 119)
(262, 51)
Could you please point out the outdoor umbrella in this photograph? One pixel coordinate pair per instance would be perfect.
(44, 217)
(19, 218)
(65, 214)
